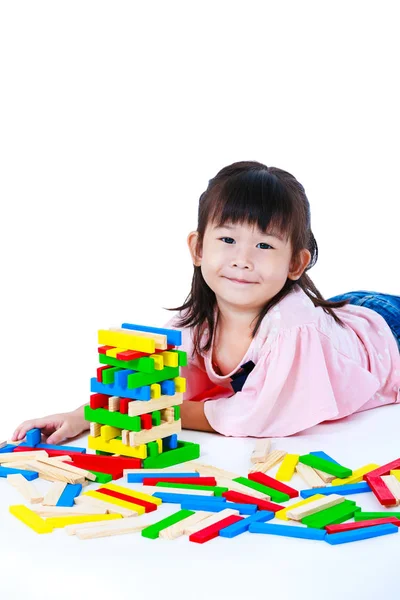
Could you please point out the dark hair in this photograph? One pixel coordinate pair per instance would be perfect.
(250, 192)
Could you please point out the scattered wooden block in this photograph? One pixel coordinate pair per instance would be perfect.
(287, 468)
(121, 527)
(54, 493)
(261, 451)
(86, 502)
(272, 459)
(211, 520)
(309, 476)
(30, 518)
(55, 462)
(394, 486)
(8, 457)
(313, 507)
(178, 529)
(26, 488)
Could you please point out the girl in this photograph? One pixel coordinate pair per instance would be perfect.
(267, 354)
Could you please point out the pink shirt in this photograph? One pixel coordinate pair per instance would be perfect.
(308, 369)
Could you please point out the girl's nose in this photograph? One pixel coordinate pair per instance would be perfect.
(241, 262)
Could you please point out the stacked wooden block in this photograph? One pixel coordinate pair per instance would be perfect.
(134, 409)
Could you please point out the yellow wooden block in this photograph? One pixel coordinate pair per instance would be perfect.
(126, 341)
(357, 475)
(107, 432)
(134, 493)
(170, 358)
(30, 518)
(159, 444)
(155, 391)
(113, 352)
(158, 361)
(287, 467)
(396, 473)
(117, 447)
(180, 384)
(111, 500)
(281, 514)
(57, 522)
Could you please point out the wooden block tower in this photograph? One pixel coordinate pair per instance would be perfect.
(134, 408)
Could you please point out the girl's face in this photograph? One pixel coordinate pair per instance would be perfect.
(244, 266)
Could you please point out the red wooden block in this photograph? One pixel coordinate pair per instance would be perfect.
(103, 349)
(245, 499)
(123, 405)
(100, 372)
(130, 355)
(273, 483)
(212, 531)
(381, 491)
(189, 480)
(114, 465)
(359, 524)
(146, 421)
(148, 506)
(383, 470)
(211, 393)
(99, 401)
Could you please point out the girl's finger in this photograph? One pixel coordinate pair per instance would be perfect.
(59, 435)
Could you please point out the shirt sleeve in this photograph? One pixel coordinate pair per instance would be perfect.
(299, 381)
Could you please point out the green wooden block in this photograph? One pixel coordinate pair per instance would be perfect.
(107, 376)
(331, 516)
(144, 364)
(102, 477)
(101, 453)
(365, 516)
(218, 490)
(156, 418)
(182, 357)
(136, 380)
(184, 452)
(325, 465)
(115, 419)
(275, 495)
(153, 531)
(177, 412)
(152, 449)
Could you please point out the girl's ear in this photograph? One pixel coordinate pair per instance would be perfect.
(300, 264)
(192, 241)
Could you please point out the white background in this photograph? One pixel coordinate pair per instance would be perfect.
(114, 116)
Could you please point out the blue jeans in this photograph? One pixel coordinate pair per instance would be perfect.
(386, 305)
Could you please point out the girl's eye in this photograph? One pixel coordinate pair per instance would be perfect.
(263, 245)
(227, 238)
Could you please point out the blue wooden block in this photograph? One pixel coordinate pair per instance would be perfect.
(138, 477)
(208, 506)
(71, 491)
(29, 475)
(308, 533)
(174, 336)
(244, 509)
(321, 454)
(66, 448)
(168, 387)
(8, 448)
(242, 526)
(170, 442)
(361, 534)
(33, 437)
(343, 490)
(112, 389)
(178, 498)
(121, 377)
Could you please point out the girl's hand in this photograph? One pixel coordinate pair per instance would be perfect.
(55, 428)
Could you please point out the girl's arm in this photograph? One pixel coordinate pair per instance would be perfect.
(193, 417)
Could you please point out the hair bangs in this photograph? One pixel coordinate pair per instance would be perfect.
(256, 198)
